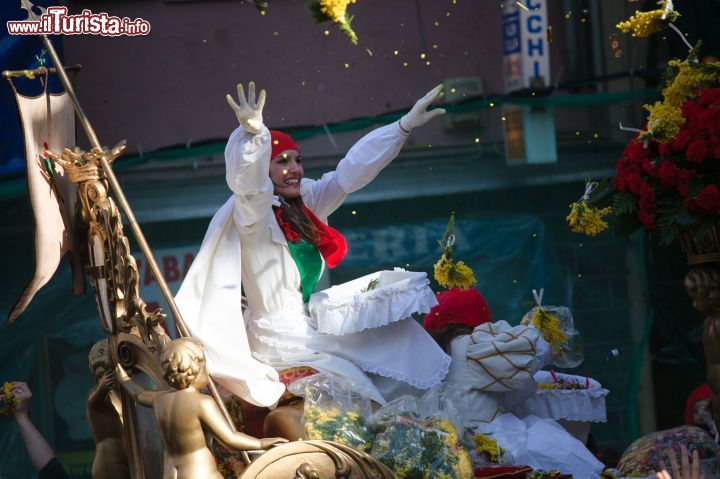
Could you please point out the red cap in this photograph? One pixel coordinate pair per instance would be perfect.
(281, 142)
(700, 393)
(457, 306)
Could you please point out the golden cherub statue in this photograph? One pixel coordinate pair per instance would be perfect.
(703, 285)
(103, 414)
(182, 412)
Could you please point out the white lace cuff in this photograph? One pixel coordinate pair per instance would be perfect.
(351, 307)
(587, 405)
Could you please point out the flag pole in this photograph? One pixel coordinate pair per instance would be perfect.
(122, 201)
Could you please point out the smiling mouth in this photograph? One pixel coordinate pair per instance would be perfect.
(292, 182)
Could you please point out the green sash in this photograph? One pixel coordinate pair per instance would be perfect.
(309, 264)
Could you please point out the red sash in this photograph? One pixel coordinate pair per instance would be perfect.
(331, 244)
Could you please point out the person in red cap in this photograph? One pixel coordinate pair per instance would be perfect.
(697, 407)
(270, 241)
(491, 372)
(457, 313)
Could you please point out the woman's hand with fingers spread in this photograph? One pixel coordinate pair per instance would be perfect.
(248, 111)
(686, 470)
(419, 115)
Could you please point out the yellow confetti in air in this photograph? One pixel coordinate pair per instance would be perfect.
(568, 15)
(262, 12)
(577, 133)
(276, 34)
(447, 14)
(427, 63)
(285, 156)
(369, 51)
(579, 275)
(285, 172)
(326, 32)
(422, 55)
(347, 65)
(396, 52)
(354, 212)
(532, 94)
(437, 24)
(596, 135)
(434, 46)
(275, 142)
(492, 105)
(477, 140)
(302, 83)
(405, 64)
(503, 118)
(522, 6)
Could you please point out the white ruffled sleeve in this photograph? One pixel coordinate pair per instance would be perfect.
(247, 172)
(368, 156)
(361, 165)
(501, 357)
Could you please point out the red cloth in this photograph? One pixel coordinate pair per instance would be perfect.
(504, 472)
(331, 244)
(700, 393)
(280, 142)
(457, 306)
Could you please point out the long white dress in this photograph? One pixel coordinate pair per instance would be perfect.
(492, 370)
(244, 246)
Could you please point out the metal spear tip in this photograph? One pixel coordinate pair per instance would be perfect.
(118, 149)
(28, 6)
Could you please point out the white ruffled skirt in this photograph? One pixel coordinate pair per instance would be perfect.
(365, 336)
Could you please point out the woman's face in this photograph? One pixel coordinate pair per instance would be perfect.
(286, 173)
(700, 408)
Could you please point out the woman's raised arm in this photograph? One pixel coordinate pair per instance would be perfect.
(367, 158)
(247, 157)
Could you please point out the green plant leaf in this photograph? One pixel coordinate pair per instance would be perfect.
(694, 54)
(449, 228)
(624, 204)
(371, 285)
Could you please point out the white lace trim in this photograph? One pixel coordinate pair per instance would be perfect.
(420, 384)
(345, 309)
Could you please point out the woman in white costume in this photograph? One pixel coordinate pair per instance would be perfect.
(492, 372)
(271, 237)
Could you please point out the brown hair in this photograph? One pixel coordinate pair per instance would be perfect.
(293, 213)
(450, 332)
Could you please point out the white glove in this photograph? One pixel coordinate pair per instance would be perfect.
(419, 115)
(248, 112)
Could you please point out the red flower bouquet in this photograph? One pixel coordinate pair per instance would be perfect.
(668, 177)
